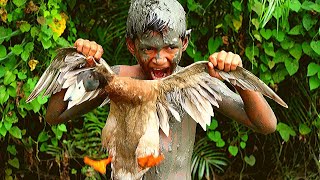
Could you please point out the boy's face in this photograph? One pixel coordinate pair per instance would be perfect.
(158, 54)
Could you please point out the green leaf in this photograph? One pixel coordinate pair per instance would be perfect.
(213, 125)
(214, 136)
(281, 56)
(244, 137)
(268, 49)
(42, 99)
(243, 144)
(43, 136)
(296, 51)
(34, 31)
(15, 132)
(44, 147)
(314, 82)
(4, 95)
(307, 5)
(279, 35)
(307, 48)
(233, 150)
(8, 171)
(19, 2)
(315, 45)
(29, 47)
(295, 5)
(287, 43)
(251, 160)
(285, 131)
(251, 51)
(292, 66)
(9, 77)
(308, 22)
(3, 51)
(296, 30)
(213, 44)
(25, 55)
(17, 49)
(62, 127)
(3, 131)
(257, 7)
(54, 142)
(25, 27)
(313, 69)
(220, 143)
(12, 149)
(46, 43)
(14, 162)
(237, 5)
(266, 33)
(256, 35)
(304, 129)
(277, 13)
(256, 23)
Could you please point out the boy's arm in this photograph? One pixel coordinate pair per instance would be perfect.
(250, 108)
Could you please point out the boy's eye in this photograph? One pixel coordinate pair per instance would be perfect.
(147, 49)
(172, 47)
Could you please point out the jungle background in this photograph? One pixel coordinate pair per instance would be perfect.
(278, 40)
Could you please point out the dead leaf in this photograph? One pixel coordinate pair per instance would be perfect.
(32, 64)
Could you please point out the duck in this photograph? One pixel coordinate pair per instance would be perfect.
(140, 108)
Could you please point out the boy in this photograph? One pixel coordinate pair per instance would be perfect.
(157, 36)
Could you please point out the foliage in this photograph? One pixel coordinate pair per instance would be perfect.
(277, 40)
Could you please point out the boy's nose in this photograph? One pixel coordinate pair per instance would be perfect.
(160, 59)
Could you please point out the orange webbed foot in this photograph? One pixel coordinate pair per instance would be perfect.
(150, 161)
(98, 165)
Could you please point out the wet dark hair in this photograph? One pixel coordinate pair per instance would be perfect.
(155, 15)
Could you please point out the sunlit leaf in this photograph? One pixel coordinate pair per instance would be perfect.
(313, 69)
(315, 45)
(314, 82)
(285, 131)
(15, 132)
(233, 150)
(266, 33)
(295, 5)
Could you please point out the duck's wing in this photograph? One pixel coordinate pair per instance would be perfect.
(194, 91)
(68, 71)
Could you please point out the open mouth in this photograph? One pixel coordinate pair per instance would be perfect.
(157, 73)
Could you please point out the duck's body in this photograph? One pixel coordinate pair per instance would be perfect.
(132, 130)
(139, 108)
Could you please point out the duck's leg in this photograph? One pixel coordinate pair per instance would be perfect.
(98, 165)
(150, 161)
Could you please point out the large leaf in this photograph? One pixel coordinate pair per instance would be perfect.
(315, 45)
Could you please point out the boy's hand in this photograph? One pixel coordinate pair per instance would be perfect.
(224, 61)
(90, 49)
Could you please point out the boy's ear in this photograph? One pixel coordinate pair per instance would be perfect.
(185, 43)
(130, 45)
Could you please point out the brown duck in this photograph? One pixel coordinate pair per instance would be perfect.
(138, 108)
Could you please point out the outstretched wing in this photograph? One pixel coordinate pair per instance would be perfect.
(68, 71)
(193, 90)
